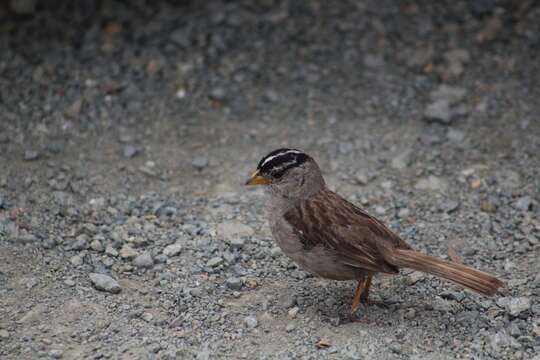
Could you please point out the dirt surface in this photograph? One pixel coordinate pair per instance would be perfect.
(128, 128)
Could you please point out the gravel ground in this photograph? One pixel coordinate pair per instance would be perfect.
(126, 135)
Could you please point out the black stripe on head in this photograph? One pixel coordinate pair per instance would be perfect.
(278, 162)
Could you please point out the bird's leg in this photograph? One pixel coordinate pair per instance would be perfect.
(365, 294)
(357, 295)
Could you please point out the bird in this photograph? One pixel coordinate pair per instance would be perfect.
(332, 238)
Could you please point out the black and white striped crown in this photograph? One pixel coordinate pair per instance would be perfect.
(279, 161)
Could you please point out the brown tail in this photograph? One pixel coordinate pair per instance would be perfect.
(465, 276)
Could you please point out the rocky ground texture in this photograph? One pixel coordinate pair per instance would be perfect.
(127, 129)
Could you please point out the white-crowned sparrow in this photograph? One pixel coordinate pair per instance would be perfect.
(330, 237)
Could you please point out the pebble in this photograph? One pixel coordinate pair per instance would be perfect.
(144, 260)
(234, 283)
(4, 334)
(105, 283)
(448, 206)
(401, 161)
(237, 243)
(96, 245)
(56, 354)
(215, 261)
(31, 155)
(130, 151)
(111, 251)
(524, 203)
(199, 162)
(290, 327)
(127, 252)
(251, 322)
(516, 305)
(173, 249)
(431, 183)
(218, 93)
(234, 229)
(293, 312)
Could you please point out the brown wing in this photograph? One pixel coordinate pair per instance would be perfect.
(360, 240)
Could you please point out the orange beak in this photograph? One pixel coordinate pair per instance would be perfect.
(257, 179)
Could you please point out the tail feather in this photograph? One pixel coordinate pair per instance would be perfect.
(463, 275)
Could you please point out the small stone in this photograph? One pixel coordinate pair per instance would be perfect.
(237, 243)
(144, 260)
(76, 260)
(218, 93)
(517, 305)
(293, 312)
(31, 155)
(448, 206)
(234, 283)
(172, 250)
(401, 161)
(524, 203)
(410, 314)
(431, 183)
(96, 245)
(403, 213)
(290, 327)
(233, 230)
(105, 283)
(4, 334)
(80, 243)
(111, 251)
(275, 252)
(454, 135)
(415, 277)
(130, 151)
(56, 354)
(501, 340)
(215, 261)
(199, 162)
(361, 178)
(69, 282)
(488, 206)
(148, 317)
(251, 322)
(439, 111)
(127, 252)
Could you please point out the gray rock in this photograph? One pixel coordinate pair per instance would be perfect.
(251, 322)
(454, 135)
(517, 305)
(290, 327)
(111, 251)
(218, 93)
(233, 230)
(448, 93)
(237, 243)
(56, 354)
(524, 203)
(448, 206)
(80, 243)
(96, 245)
(130, 151)
(4, 334)
(234, 283)
(215, 261)
(144, 260)
(173, 249)
(127, 252)
(401, 161)
(502, 340)
(199, 162)
(439, 111)
(31, 155)
(431, 183)
(105, 283)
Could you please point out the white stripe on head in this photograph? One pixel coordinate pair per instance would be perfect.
(280, 154)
